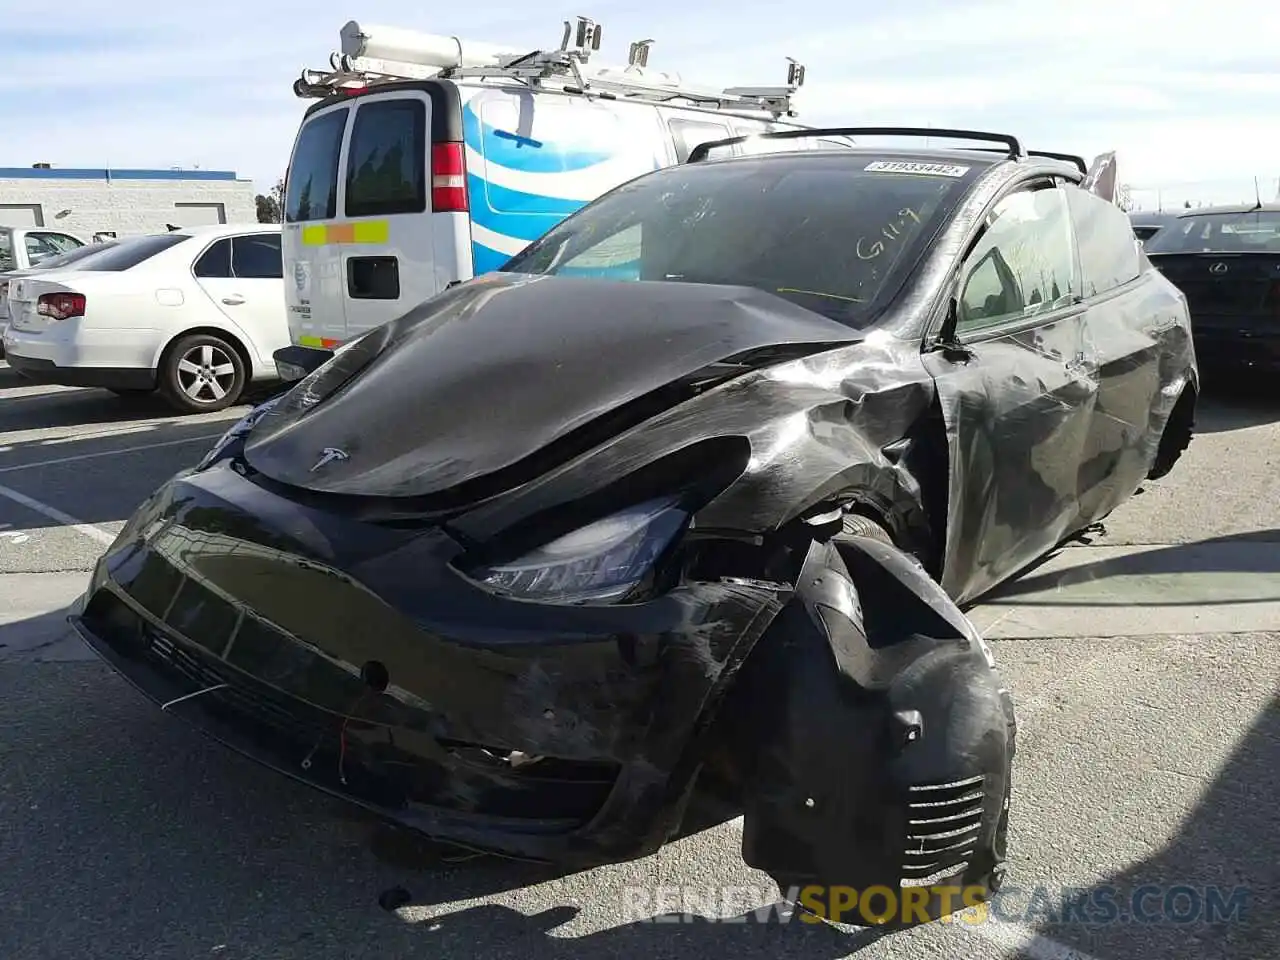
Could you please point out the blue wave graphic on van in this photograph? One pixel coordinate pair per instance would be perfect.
(486, 259)
(509, 149)
(521, 216)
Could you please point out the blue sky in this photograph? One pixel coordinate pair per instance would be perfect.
(1183, 92)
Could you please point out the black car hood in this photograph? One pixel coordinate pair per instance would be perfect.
(489, 373)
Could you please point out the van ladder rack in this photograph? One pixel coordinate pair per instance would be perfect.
(562, 70)
(1012, 146)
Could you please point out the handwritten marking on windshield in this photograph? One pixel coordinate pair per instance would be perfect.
(890, 231)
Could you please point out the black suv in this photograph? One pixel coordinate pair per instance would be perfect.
(680, 505)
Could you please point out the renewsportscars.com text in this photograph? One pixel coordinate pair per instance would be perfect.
(1094, 906)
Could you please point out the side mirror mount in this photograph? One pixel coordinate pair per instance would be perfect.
(946, 341)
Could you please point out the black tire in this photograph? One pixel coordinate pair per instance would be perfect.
(201, 373)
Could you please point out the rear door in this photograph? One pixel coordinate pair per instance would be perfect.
(242, 275)
(1130, 326)
(385, 242)
(314, 288)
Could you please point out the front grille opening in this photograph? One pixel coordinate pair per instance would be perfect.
(944, 826)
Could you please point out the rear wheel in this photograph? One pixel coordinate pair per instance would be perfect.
(201, 372)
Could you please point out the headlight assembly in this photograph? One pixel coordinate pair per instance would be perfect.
(238, 432)
(600, 562)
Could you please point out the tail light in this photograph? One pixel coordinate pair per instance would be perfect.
(61, 306)
(448, 178)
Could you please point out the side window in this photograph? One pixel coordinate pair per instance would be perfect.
(689, 133)
(387, 161)
(1108, 248)
(256, 257)
(1023, 264)
(215, 263)
(312, 179)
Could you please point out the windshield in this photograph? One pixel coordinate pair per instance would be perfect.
(1255, 231)
(830, 233)
(6, 251)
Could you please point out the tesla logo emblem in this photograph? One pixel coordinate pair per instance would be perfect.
(328, 455)
(1218, 268)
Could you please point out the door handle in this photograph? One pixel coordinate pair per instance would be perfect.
(233, 301)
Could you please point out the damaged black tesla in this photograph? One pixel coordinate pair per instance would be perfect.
(683, 502)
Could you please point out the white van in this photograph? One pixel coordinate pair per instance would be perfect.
(428, 161)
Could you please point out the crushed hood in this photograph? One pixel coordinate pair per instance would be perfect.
(493, 371)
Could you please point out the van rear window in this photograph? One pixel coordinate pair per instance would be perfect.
(387, 161)
(312, 192)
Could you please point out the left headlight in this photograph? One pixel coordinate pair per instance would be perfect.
(238, 431)
(600, 562)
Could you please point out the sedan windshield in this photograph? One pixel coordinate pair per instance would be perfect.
(1256, 231)
(831, 233)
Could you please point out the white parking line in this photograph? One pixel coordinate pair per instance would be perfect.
(1024, 942)
(204, 438)
(53, 513)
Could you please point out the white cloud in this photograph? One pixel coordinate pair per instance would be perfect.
(1174, 88)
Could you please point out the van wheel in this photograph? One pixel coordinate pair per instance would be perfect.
(201, 373)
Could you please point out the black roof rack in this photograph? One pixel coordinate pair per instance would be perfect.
(1013, 147)
(1071, 158)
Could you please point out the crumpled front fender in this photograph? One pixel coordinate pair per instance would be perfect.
(880, 741)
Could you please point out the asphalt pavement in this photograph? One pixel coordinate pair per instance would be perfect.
(1145, 666)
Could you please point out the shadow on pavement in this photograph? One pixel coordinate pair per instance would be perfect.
(1181, 558)
(1237, 404)
(128, 834)
(100, 479)
(1214, 890)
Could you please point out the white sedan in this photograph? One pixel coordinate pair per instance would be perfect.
(194, 314)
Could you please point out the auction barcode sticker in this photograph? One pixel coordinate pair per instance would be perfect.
(909, 166)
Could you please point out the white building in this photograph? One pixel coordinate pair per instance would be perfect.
(122, 202)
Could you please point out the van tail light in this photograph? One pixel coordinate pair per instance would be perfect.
(61, 306)
(448, 178)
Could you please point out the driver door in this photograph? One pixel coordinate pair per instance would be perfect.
(1015, 391)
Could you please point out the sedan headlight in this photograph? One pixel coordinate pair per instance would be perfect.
(238, 431)
(602, 561)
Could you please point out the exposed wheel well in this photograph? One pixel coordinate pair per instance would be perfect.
(1177, 433)
(221, 334)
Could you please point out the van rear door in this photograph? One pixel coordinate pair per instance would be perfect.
(312, 271)
(390, 228)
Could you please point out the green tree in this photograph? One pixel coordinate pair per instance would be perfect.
(270, 205)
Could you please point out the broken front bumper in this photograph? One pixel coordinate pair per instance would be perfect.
(353, 658)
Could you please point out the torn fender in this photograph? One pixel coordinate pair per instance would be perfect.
(883, 742)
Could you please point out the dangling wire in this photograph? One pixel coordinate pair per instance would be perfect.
(342, 737)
